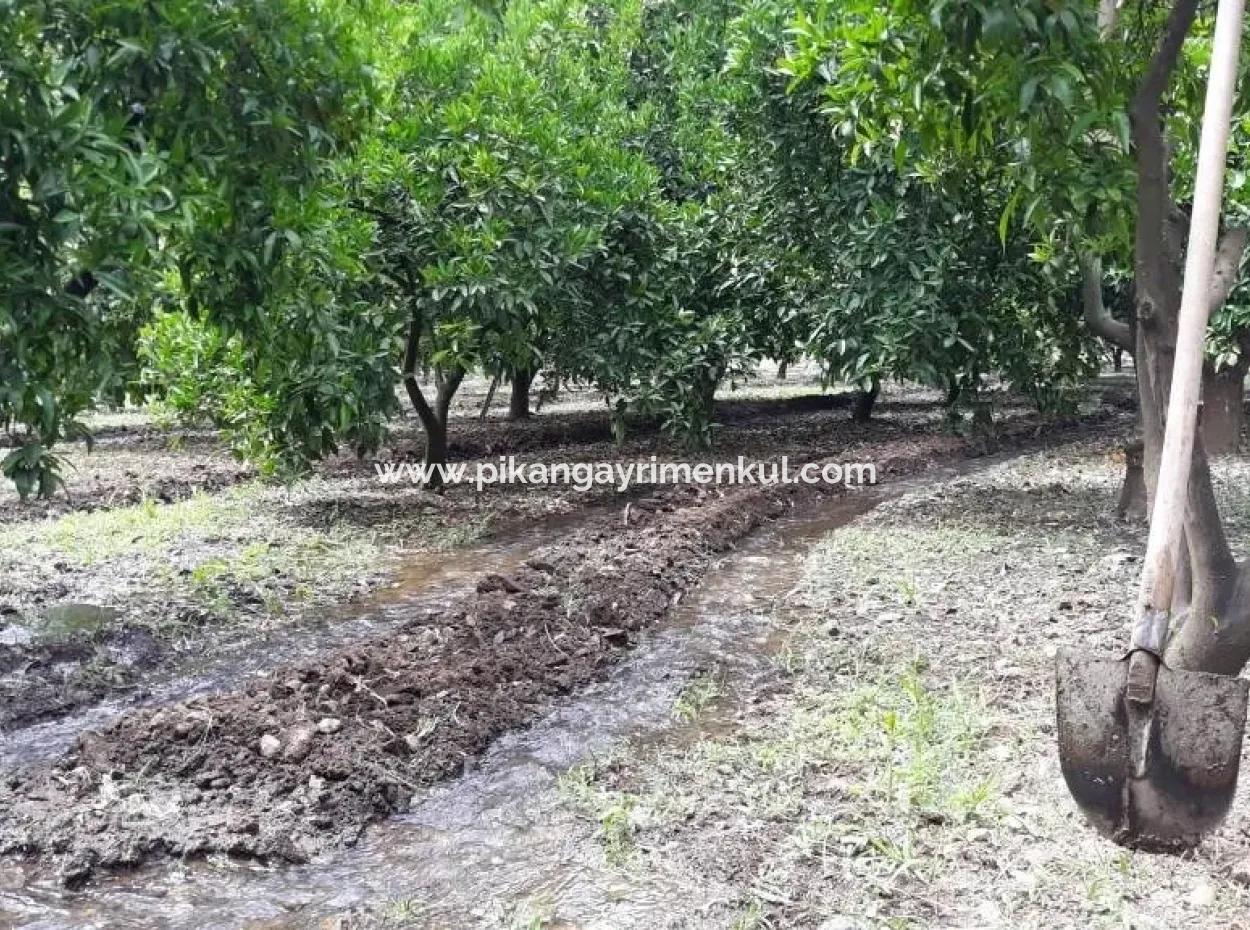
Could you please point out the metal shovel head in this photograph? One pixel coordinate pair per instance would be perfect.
(1167, 798)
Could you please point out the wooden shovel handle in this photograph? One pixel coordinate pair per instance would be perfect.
(1167, 518)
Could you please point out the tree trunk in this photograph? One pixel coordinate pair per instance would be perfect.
(433, 418)
(707, 393)
(861, 412)
(983, 415)
(519, 402)
(1223, 409)
(781, 369)
(1213, 634)
(435, 448)
(1132, 505)
(1117, 359)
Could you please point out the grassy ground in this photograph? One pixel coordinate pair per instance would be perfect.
(249, 552)
(905, 774)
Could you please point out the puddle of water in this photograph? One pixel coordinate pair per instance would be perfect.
(478, 850)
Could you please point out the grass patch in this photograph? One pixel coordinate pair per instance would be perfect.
(907, 756)
(237, 555)
(146, 528)
(614, 811)
(868, 557)
(697, 696)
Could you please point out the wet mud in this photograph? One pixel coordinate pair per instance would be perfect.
(298, 762)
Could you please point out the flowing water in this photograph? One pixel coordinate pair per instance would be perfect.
(481, 849)
(425, 581)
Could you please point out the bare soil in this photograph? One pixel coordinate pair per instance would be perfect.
(302, 760)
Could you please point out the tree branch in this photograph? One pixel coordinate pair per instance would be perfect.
(411, 384)
(447, 387)
(1211, 559)
(1108, 13)
(1097, 317)
(1159, 72)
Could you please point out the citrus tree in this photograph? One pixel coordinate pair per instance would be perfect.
(498, 188)
(1085, 115)
(163, 154)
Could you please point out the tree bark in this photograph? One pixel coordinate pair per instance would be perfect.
(1223, 409)
(707, 395)
(1213, 634)
(782, 367)
(519, 401)
(1097, 317)
(1132, 505)
(490, 396)
(861, 412)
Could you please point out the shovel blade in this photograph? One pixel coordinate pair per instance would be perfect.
(1192, 735)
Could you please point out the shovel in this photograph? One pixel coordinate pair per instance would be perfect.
(1151, 753)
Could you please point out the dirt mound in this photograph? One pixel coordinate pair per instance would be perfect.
(302, 760)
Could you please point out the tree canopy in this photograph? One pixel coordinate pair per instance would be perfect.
(273, 215)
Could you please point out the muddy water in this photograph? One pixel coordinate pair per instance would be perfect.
(501, 843)
(424, 581)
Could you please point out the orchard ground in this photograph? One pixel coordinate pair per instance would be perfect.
(164, 546)
(897, 768)
(540, 597)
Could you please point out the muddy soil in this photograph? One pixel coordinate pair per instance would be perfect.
(303, 760)
(100, 594)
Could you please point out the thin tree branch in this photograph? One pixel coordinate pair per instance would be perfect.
(490, 395)
(411, 357)
(448, 384)
(1097, 317)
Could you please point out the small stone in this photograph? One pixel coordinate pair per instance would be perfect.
(206, 779)
(329, 725)
(615, 637)
(270, 746)
(299, 744)
(1202, 895)
(890, 616)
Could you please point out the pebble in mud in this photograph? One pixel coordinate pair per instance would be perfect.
(270, 746)
(298, 744)
(329, 725)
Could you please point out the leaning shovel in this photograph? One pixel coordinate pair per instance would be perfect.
(1150, 753)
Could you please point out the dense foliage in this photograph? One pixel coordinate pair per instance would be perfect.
(271, 214)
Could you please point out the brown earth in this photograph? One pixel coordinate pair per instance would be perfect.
(302, 760)
(164, 616)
